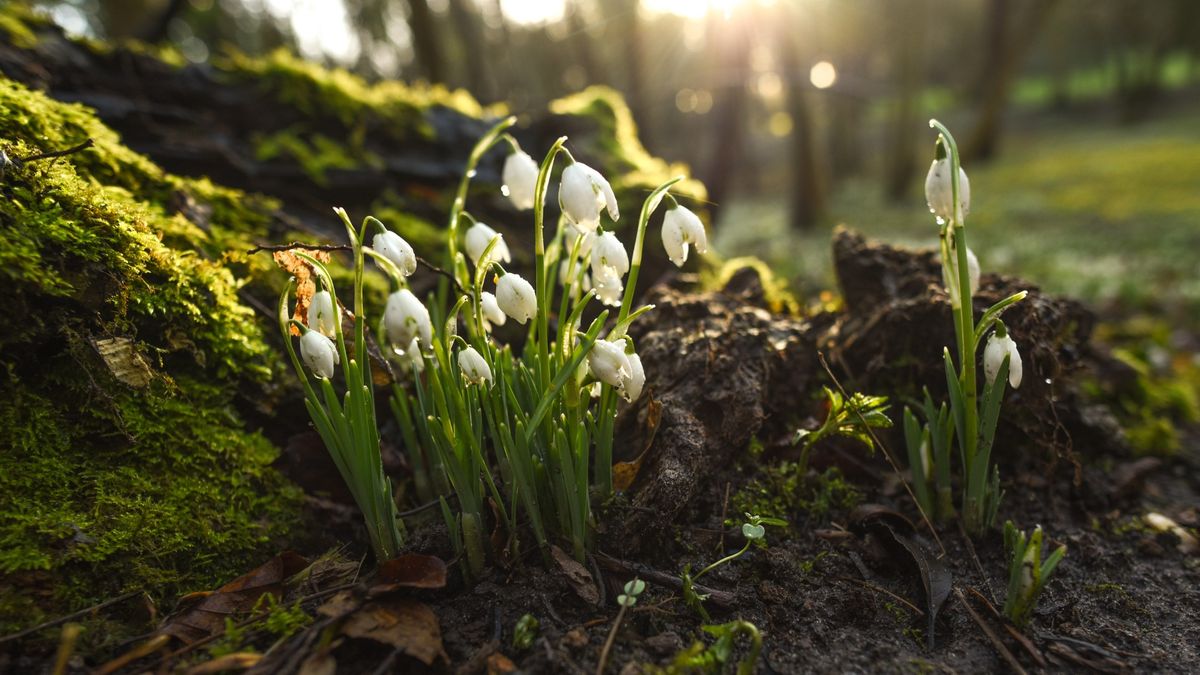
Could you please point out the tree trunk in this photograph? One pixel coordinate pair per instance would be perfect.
(807, 192)
(909, 58)
(730, 42)
(471, 37)
(425, 41)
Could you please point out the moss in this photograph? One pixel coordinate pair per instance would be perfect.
(110, 486)
(315, 153)
(19, 25)
(775, 290)
(620, 154)
(782, 492)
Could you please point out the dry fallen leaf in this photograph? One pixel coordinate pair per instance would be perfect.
(305, 285)
(624, 473)
(413, 571)
(578, 576)
(499, 664)
(403, 623)
(207, 616)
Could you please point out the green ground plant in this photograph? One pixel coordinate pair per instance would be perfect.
(1028, 572)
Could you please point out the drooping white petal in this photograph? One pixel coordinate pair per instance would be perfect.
(939, 191)
(321, 314)
(950, 275)
(405, 318)
(393, 247)
(582, 193)
(477, 239)
(608, 251)
(474, 368)
(492, 314)
(636, 380)
(680, 228)
(516, 297)
(993, 357)
(608, 363)
(411, 358)
(319, 354)
(520, 179)
(608, 286)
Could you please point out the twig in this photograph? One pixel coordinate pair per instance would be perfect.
(879, 589)
(978, 565)
(64, 619)
(346, 247)
(608, 643)
(1004, 652)
(722, 598)
(1012, 630)
(886, 453)
(58, 153)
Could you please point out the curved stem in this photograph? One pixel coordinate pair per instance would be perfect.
(722, 561)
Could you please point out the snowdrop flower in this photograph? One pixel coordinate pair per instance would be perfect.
(474, 368)
(516, 297)
(393, 247)
(938, 191)
(319, 354)
(492, 314)
(520, 179)
(636, 380)
(680, 228)
(321, 315)
(608, 251)
(609, 364)
(411, 359)
(950, 275)
(478, 238)
(405, 319)
(999, 346)
(608, 286)
(581, 195)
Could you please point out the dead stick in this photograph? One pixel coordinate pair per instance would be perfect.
(63, 619)
(1004, 652)
(1018, 635)
(723, 598)
(886, 453)
(59, 153)
(608, 643)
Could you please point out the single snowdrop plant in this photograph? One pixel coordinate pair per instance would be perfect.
(318, 353)
(969, 419)
(520, 178)
(1028, 572)
(321, 314)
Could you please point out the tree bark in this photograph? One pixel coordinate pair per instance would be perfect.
(425, 41)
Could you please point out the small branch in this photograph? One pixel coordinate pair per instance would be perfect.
(991, 635)
(612, 637)
(346, 247)
(63, 619)
(722, 598)
(59, 153)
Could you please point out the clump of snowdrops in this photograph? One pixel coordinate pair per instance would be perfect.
(524, 430)
(969, 420)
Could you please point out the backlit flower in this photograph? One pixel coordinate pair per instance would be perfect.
(319, 354)
(608, 286)
(950, 275)
(680, 228)
(636, 380)
(516, 297)
(321, 315)
(474, 367)
(393, 247)
(582, 193)
(609, 364)
(520, 179)
(938, 191)
(405, 319)
(997, 348)
(492, 314)
(477, 240)
(608, 251)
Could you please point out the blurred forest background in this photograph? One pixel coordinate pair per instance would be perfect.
(1079, 120)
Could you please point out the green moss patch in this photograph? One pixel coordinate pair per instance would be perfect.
(125, 462)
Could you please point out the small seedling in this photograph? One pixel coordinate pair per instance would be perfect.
(525, 632)
(850, 417)
(626, 600)
(1027, 572)
(755, 534)
(701, 658)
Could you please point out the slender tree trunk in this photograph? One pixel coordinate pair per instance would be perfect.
(635, 79)
(730, 41)
(581, 40)
(909, 18)
(470, 34)
(426, 46)
(807, 191)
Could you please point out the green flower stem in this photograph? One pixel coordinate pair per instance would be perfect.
(635, 266)
(541, 273)
(493, 136)
(722, 561)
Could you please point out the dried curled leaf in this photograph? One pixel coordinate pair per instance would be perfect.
(403, 623)
(306, 285)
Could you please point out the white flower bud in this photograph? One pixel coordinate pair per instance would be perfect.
(609, 364)
(474, 367)
(492, 314)
(412, 359)
(636, 380)
(608, 251)
(680, 228)
(520, 179)
(405, 319)
(393, 247)
(477, 240)
(950, 275)
(582, 193)
(608, 286)
(993, 357)
(516, 297)
(319, 354)
(321, 314)
(938, 191)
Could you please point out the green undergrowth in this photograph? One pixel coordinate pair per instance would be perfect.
(782, 492)
(124, 355)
